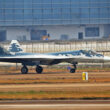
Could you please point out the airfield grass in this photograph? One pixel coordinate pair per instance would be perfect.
(54, 81)
(55, 94)
(43, 95)
(57, 72)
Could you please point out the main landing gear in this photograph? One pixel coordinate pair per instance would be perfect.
(39, 69)
(24, 69)
(73, 70)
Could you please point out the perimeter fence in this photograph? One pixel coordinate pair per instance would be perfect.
(100, 46)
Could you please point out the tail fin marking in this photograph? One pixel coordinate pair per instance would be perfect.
(15, 47)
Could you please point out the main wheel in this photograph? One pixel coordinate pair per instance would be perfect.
(24, 70)
(39, 69)
(72, 70)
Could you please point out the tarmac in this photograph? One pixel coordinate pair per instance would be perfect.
(55, 104)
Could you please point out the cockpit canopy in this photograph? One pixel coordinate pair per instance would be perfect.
(90, 53)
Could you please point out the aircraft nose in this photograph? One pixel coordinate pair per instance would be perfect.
(106, 58)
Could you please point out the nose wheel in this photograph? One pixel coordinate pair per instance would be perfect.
(24, 70)
(39, 69)
(73, 70)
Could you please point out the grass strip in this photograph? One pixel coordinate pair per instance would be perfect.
(41, 95)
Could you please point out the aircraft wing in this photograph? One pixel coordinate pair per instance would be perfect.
(52, 59)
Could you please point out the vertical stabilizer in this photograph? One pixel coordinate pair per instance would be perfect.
(15, 47)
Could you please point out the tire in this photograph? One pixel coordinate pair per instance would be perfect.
(24, 70)
(39, 69)
(73, 70)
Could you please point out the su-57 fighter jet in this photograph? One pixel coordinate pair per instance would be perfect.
(15, 54)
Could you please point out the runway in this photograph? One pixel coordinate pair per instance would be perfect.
(59, 105)
(55, 85)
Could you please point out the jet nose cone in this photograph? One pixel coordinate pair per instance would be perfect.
(106, 58)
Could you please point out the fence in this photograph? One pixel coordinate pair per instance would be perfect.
(101, 46)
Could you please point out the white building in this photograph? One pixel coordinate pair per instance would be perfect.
(59, 19)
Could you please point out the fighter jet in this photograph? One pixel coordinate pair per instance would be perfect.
(15, 54)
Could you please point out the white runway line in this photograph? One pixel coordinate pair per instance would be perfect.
(53, 105)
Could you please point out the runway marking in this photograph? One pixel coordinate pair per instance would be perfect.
(53, 105)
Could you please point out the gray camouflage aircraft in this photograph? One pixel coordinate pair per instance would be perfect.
(15, 54)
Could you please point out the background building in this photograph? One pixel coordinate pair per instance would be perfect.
(57, 19)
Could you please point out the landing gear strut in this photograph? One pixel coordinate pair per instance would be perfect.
(73, 70)
(39, 69)
(24, 70)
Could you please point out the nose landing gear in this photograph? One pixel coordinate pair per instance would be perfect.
(73, 70)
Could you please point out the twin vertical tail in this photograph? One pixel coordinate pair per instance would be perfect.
(15, 47)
